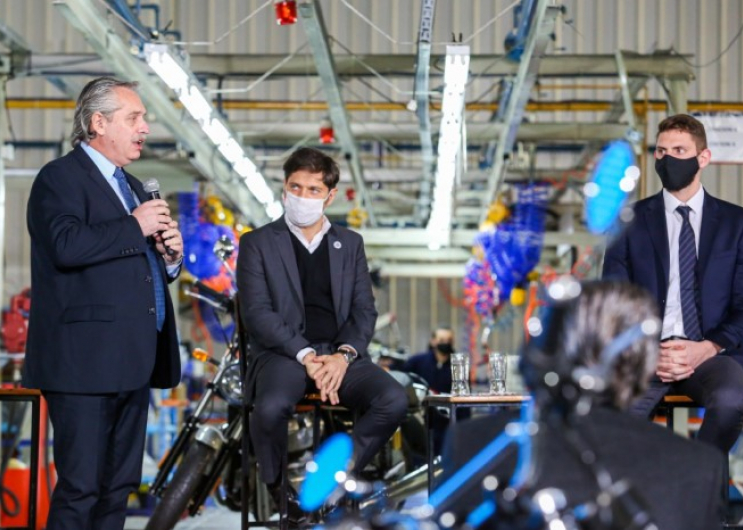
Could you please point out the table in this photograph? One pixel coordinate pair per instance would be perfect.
(432, 402)
(34, 396)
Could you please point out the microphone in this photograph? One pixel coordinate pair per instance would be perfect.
(152, 188)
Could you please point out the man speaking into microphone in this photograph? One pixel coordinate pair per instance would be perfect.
(102, 327)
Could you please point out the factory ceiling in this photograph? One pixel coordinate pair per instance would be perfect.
(384, 116)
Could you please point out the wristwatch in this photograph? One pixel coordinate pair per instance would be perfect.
(348, 354)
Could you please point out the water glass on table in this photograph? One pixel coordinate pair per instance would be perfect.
(497, 369)
(460, 374)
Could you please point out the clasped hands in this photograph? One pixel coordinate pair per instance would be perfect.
(327, 371)
(680, 357)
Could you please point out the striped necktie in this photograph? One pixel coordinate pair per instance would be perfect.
(157, 279)
(688, 277)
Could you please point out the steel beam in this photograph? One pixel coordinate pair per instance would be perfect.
(317, 35)
(677, 96)
(85, 16)
(539, 36)
(422, 109)
(240, 66)
(416, 237)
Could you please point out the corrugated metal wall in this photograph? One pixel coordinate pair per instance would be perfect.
(699, 27)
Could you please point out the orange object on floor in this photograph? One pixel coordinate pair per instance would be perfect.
(18, 482)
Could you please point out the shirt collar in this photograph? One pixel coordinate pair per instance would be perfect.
(297, 231)
(696, 202)
(104, 165)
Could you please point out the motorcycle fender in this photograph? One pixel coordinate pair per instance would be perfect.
(211, 436)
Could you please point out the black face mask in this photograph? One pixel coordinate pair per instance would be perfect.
(676, 173)
(445, 348)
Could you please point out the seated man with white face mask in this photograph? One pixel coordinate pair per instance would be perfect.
(306, 302)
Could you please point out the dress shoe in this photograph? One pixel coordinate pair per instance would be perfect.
(294, 513)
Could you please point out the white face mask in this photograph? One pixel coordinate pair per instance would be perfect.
(301, 211)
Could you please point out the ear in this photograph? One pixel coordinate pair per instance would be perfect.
(331, 197)
(98, 123)
(705, 157)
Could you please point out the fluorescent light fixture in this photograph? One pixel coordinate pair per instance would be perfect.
(216, 131)
(196, 104)
(188, 89)
(232, 151)
(166, 67)
(456, 71)
(245, 168)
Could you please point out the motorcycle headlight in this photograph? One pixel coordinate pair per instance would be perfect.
(230, 386)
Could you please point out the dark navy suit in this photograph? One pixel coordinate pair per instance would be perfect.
(93, 347)
(273, 313)
(425, 365)
(641, 256)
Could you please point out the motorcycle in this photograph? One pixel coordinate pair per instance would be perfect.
(206, 458)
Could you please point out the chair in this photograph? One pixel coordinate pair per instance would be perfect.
(671, 403)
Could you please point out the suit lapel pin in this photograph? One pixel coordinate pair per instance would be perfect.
(337, 244)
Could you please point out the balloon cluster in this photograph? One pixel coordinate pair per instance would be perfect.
(202, 223)
(512, 247)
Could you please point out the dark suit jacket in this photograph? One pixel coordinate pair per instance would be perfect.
(270, 294)
(679, 479)
(425, 365)
(641, 256)
(92, 325)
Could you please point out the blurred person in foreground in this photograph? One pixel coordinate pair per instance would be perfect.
(678, 480)
(102, 326)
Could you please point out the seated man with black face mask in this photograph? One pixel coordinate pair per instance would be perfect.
(433, 365)
(686, 248)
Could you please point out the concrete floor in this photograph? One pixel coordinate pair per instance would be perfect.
(213, 518)
(220, 518)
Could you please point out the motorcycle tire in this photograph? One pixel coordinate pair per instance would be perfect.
(176, 497)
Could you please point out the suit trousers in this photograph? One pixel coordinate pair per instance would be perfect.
(717, 385)
(281, 383)
(98, 450)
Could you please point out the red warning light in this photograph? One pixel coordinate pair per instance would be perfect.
(286, 12)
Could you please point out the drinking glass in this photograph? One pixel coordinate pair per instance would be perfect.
(460, 373)
(497, 369)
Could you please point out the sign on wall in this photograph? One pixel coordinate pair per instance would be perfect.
(724, 136)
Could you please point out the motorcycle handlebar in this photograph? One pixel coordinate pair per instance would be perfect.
(217, 300)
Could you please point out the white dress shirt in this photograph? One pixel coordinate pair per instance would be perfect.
(673, 321)
(311, 246)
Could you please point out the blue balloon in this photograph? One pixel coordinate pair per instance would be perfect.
(200, 259)
(320, 481)
(605, 202)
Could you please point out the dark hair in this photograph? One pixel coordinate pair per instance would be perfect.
(99, 95)
(687, 124)
(313, 161)
(442, 327)
(599, 314)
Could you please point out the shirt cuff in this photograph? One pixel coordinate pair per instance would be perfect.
(173, 268)
(347, 346)
(303, 353)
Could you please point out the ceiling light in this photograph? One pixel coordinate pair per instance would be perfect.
(189, 91)
(456, 71)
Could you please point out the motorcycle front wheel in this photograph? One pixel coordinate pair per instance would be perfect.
(180, 490)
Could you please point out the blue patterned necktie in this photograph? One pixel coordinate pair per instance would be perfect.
(688, 277)
(157, 279)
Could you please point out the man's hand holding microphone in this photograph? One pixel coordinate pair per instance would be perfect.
(154, 219)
